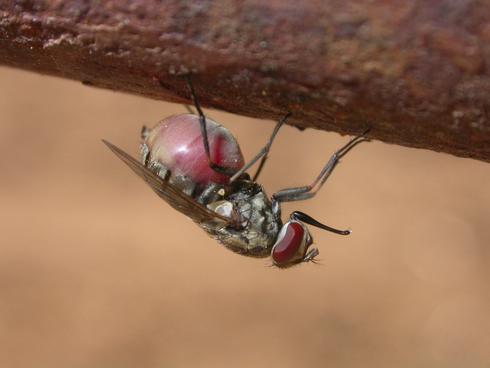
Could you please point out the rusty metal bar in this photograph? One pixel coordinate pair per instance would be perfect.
(416, 72)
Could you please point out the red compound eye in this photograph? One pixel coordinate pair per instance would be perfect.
(289, 243)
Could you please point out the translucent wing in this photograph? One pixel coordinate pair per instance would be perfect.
(173, 196)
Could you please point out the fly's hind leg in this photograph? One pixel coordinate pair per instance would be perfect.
(204, 132)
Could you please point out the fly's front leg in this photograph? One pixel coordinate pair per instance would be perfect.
(309, 191)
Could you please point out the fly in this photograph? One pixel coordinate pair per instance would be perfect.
(197, 167)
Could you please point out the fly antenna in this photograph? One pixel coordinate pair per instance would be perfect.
(303, 217)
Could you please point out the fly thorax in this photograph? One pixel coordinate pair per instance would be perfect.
(253, 210)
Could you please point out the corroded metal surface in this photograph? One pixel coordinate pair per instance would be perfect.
(416, 72)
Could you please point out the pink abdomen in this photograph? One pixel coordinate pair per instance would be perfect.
(176, 142)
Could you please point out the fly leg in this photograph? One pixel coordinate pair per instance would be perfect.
(204, 133)
(262, 153)
(309, 191)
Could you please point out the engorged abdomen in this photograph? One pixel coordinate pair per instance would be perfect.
(176, 142)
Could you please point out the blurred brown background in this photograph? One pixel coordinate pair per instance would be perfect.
(96, 271)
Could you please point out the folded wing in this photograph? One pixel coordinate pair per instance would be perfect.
(172, 195)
